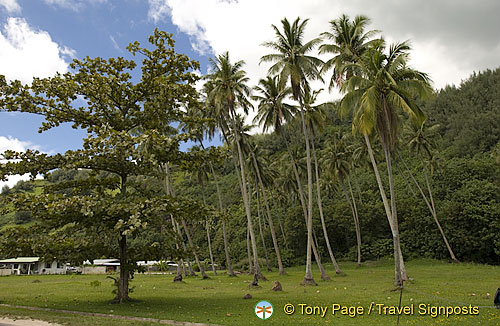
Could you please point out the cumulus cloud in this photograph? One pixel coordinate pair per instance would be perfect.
(26, 53)
(11, 6)
(9, 143)
(451, 38)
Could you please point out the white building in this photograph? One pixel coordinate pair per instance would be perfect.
(30, 266)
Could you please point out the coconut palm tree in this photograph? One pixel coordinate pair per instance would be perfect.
(421, 143)
(201, 176)
(350, 41)
(274, 113)
(315, 121)
(230, 91)
(293, 63)
(381, 86)
(257, 167)
(338, 162)
(208, 112)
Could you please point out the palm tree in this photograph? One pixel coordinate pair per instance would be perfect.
(349, 42)
(257, 169)
(315, 119)
(420, 142)
(230, 92)
(338, 163)
(201, 176)
(293, 64)
(208, 112)
(382, 85)
(274, 113)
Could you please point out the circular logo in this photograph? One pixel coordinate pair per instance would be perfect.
(264, 310)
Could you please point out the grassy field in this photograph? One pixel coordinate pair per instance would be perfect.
(219, 300)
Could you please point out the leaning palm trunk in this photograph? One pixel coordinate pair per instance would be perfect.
(224, 234)
(308, 278)
(258, 273)
(170, 191)
(208, 233)
(189, 271)
(269, 217)
(324, 275)
(434, 215)
(320, 207)
(249, 253)
(356, 221)
(261, 233)
(430, 205)
(354, 215)
(401, 172)
(193, 249)
(356, 183)
(210, 248)
(398, 257)
(395, 224)
(281, 211)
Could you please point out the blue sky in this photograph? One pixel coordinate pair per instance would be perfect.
(450, 39)
(92, 28)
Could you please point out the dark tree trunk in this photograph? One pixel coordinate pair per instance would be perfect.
(122, 294)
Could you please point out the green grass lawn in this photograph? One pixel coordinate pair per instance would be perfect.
(219, 300)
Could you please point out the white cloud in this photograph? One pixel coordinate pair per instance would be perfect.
(11, 6)
(26, 53)
(74, 5)
(451, 38)
(115, 44)
(158, 10)
(9, 143)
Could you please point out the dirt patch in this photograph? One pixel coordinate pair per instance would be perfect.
(24, 322)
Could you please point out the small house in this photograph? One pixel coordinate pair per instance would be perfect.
(30, 266)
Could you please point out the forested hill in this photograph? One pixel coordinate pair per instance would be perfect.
(464, 177)
(468, 115)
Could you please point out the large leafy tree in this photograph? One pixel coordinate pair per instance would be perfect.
(294, 64)
(120, 116)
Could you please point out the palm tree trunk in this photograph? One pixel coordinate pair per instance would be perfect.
(224, 234)
(193, 249)
(281, 210)
(170, 191)
(210, 249)
(258, 272)
(262, 234)
(190, 271)
(249, 253)
(320, 207)
(434, 214)
(308, 278)
(406, 181)
(399, 263)
(397, 254)
(324, 275)
(269, 218)
(357, 187)
(430, 206)
(208, 232)
(356, 221)
(243, 185)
